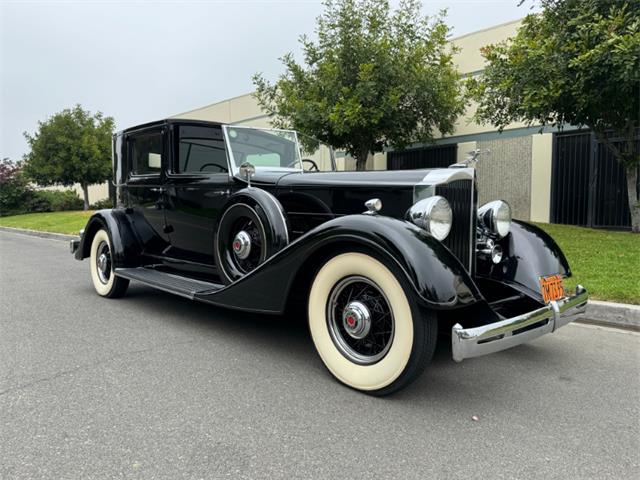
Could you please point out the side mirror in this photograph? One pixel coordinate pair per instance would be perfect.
(247, 171)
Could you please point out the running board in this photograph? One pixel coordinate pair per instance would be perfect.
(176, 284)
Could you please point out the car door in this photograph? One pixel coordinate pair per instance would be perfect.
(146, 160)
(197, 187)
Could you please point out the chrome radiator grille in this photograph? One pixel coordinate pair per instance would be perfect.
(461, 241)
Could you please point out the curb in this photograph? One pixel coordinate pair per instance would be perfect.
(620, 315)
(35, 233)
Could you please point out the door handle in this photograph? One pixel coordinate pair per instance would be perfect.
(157, 189)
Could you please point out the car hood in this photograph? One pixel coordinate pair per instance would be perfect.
(390, 178)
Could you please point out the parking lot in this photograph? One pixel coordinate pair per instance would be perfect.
(156, 386)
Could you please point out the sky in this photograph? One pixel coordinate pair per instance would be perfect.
(145, 60)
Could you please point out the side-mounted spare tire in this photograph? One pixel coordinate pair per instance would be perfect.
(253, 227)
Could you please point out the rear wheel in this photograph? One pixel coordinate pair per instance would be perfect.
(370, 334)
(102, 272)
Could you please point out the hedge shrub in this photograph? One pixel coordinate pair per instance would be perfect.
(100, 204)
(54, 201)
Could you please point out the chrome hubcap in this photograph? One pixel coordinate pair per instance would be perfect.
(242, 245)
(103, 262)
(356, 320)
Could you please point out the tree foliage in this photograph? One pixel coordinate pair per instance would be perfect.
(73, 146)
(373, 78)
(14, 188)
(577, 62)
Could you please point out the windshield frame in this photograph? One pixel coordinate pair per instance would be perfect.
(236, 168)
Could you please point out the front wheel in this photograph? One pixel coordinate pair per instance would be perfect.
(104, 279)
(370, 334)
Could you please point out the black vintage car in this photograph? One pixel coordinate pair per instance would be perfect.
(259, 220)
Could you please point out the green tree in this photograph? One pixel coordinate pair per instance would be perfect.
(577, 62)
(373, 78)
(73, 146)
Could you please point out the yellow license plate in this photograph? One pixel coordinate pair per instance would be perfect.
(551, 288)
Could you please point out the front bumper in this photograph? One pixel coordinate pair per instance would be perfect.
(474, 342)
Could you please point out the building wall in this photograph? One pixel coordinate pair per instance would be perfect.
(505, 173)
(99, 191)
(518, 170)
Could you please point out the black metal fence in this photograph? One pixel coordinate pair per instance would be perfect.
(440, 156)
(588, 185)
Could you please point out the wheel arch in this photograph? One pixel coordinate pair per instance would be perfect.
(273, 209)
(124, 243)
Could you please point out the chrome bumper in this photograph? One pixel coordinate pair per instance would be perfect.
(474, 342)
(73, 245)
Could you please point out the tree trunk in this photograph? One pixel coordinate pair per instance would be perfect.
(361, 159)
(85, 192)
(634, 202)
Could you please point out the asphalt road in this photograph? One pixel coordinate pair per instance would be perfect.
(156, 386)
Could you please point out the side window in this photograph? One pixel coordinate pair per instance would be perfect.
(201, 150)
(146, 153)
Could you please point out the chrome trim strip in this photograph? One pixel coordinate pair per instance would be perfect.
(474, 342)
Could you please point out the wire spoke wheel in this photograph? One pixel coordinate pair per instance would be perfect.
(103, 262)
(105, 281)
(360, 320)
(367, 325)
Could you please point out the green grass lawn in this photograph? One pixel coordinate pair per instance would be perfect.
(57, 222)
(607, 263)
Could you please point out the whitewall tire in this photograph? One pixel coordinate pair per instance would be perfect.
(369, 333)
(103, 277)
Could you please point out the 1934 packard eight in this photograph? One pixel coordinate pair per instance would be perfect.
(245, 218)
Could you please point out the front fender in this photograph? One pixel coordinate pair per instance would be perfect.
(438, 279)
(530, 253)
(125, 247)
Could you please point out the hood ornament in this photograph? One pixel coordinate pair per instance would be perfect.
(473, 157)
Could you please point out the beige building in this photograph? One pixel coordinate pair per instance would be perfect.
(517, 168)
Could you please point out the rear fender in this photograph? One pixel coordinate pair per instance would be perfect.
(125, 247)
(438, 279)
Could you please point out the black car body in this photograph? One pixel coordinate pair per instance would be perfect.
(240, 218)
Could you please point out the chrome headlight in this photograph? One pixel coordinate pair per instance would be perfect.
(496, 217)
(432, 214)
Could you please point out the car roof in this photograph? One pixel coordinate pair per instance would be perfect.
(170, 121)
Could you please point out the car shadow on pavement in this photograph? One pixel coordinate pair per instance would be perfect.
(286, 338)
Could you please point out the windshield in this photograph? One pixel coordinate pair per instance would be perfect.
(271, 149)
